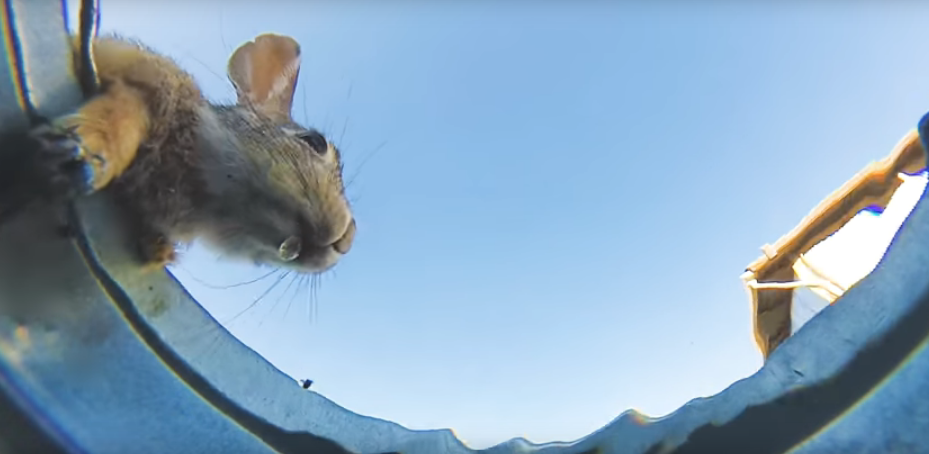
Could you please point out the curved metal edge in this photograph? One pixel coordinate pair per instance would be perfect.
(28, 31)
(161, 351)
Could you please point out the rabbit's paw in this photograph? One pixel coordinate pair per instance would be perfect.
(68, 167)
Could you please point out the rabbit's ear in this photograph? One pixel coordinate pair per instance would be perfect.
(264, 73)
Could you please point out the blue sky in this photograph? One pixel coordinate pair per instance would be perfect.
(557, 200)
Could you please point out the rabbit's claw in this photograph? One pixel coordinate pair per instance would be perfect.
(69, 169)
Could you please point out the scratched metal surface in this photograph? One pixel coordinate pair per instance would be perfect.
(97, 356)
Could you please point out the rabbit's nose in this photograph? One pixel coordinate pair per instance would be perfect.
(344, 243)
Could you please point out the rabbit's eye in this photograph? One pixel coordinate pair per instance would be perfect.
(316, 141)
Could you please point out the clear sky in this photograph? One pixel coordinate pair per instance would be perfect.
(560, 196)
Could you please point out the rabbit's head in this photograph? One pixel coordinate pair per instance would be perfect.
(279, 198)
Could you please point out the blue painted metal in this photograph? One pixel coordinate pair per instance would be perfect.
(97, 356)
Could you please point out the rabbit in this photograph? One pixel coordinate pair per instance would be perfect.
(243, 177)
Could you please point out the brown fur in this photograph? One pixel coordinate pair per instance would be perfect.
(148, 106)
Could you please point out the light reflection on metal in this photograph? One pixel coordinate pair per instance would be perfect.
(772, 278)
(97, 356)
